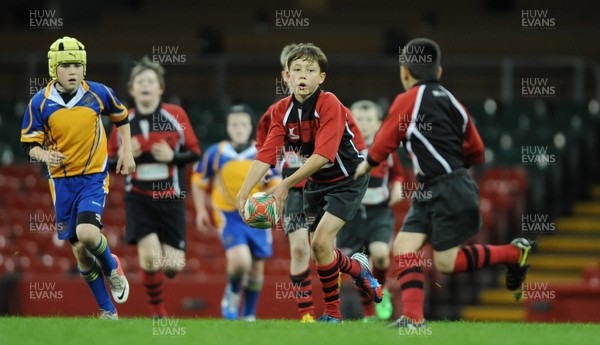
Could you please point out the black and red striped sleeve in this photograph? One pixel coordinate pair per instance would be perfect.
(393, 129)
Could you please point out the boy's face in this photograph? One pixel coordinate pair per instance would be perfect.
(146, 88)
(239, 128)
(304, 78)
(367, 121)
(69, 75)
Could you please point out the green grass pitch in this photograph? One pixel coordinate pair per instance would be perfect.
(133, 331)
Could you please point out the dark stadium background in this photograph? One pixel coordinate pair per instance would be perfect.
(541, 179)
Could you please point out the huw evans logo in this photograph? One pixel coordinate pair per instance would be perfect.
(44, 19)
(537, 87)
(537, 19)
(291, 19)
(168, 55)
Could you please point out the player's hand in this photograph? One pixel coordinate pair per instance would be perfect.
(362, 169)
(203, 223)
(280, 192)
(136, 147)
(162, 152)
(125, 164)
(51, 158)
(240, 201)
(396, 193)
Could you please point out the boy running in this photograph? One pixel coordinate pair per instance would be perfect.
(163, 143)
(443, 142)
(62, 128)
(222, 171)
(313, 125)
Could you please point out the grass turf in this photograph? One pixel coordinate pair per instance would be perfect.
(133, 331)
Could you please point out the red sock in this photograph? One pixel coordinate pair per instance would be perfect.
(302, 284)
(412, 282)
(153, 283)
(347, 264)
(379, 274)
(328, 274)
(475, 256)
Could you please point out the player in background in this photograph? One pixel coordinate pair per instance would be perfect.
(223, 167)
(373, 224)
(313, 125)
(163, 143)
(62, 128)
(443, 142)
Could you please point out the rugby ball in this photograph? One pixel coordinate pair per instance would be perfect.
(260, 211)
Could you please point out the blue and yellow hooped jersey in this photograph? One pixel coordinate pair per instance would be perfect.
(75, 129)
(227, 169)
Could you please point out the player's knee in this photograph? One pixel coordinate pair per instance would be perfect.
(88, 234)
(443, 265)
(319, 248)
(239, 267)
(149, 263)
(83, 257)
(300, 250)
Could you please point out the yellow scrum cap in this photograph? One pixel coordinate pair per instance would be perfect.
(65, 50)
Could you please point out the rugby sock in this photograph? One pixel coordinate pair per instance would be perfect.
(102, 253)
(94, 278)
(235, 283)
(347, 264)
(412, 282)
(302, 285)
(475, 256)
(251, 294)
(153, 282)
(328, 274)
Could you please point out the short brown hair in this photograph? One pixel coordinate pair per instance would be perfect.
(146, 64)
(310, 52)
(285, 52)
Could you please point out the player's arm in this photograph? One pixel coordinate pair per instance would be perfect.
(396, 178)
(387, 140)
(125, 162)
(191, 151)
(188, 153)
(258, 169)
(32, 137)
(473, 149)
(200, 185)
(265, 159)
(118, 114)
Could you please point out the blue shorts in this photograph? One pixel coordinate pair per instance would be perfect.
(235, 232)
(76, 194)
